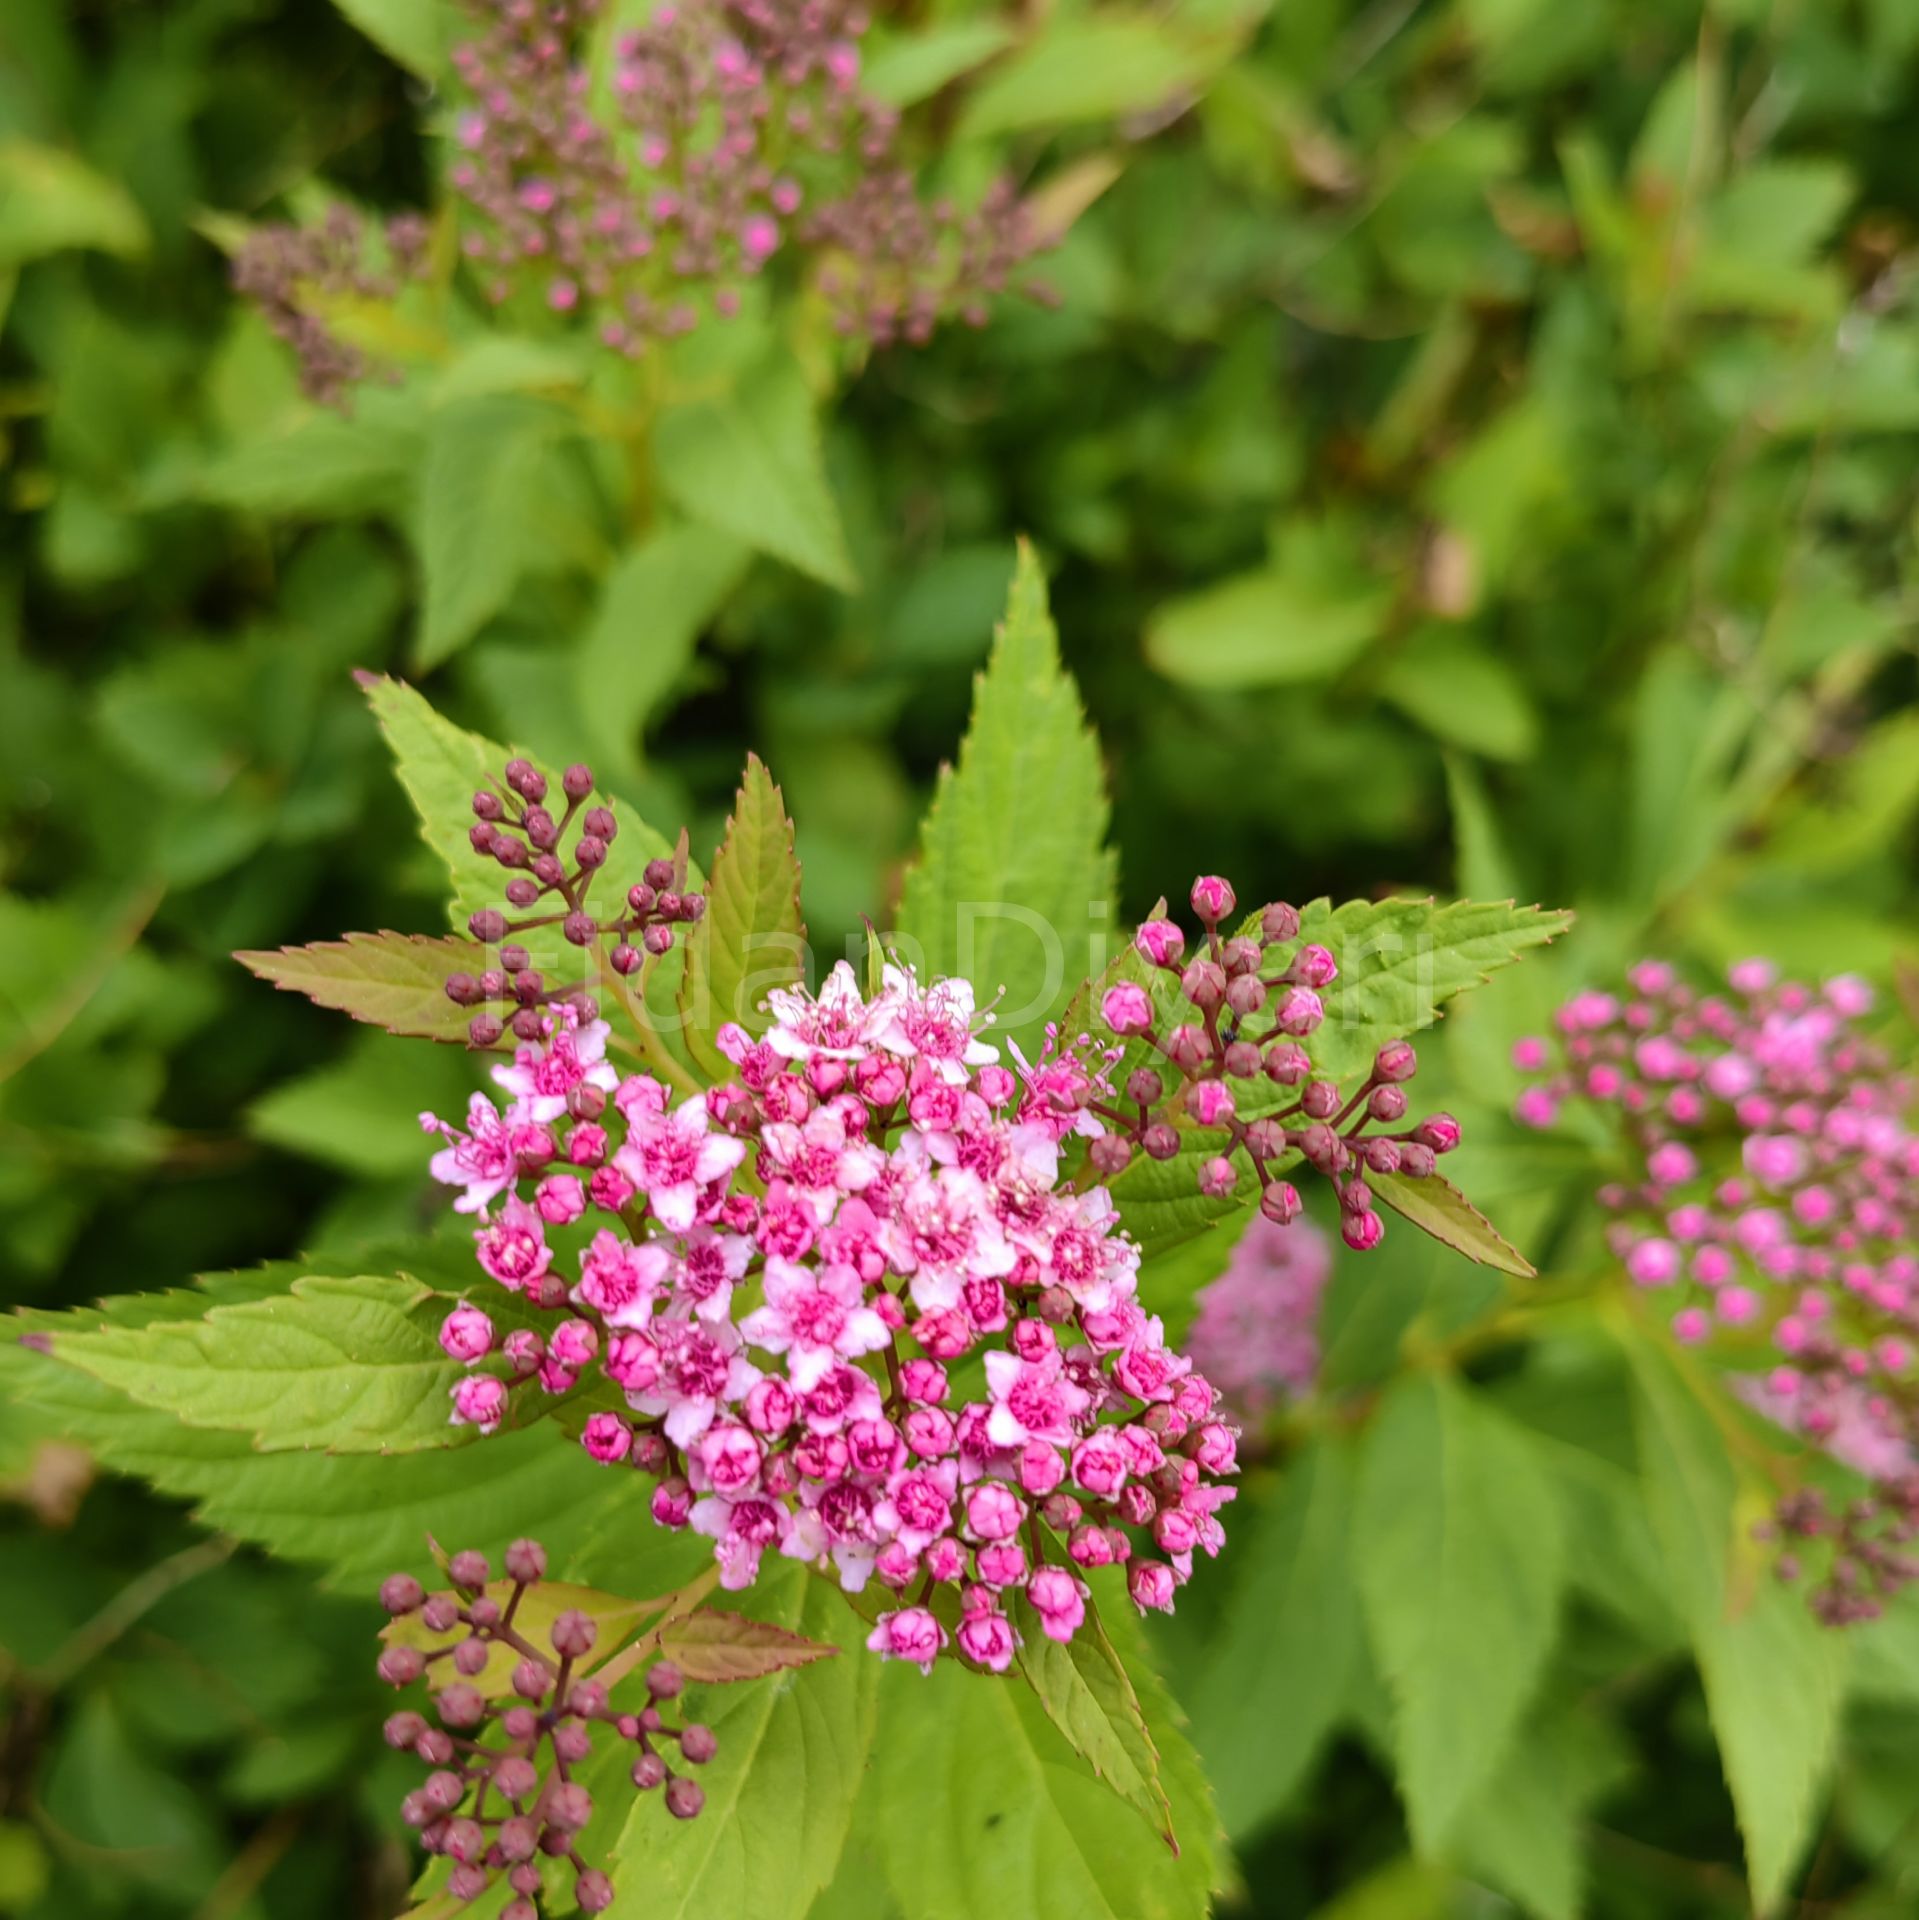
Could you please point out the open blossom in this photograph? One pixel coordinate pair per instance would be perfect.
(1773, 1194)
(873, 1201)
(541, 1077)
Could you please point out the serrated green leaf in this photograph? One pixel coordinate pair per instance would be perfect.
(1089, 1696)
(1774, 1678)
(779, 1796)
(749, 465)
(1013, 885)
(1400, 961)
(1033, 1831)
(353, 1365)
(1458, 1554)
(1435, 1206)
(1283, 1659)
(391, 980)
(752, 938)
(479, 484)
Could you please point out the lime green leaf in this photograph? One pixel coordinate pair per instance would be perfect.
(779, 1795)
(1089, 1696)
(1034, 1831)
(1160, 1200)
(1457, 1548)
(419, 34)
(391, 980)
(349, 1364)
(654, 603)
(919, 62)
(479, 487)
(323, 465)
(1400, 961)
(1100, 67)
(749, 465)
(1434, 1205)
(51, 200)
(1482, 866)
(1267, 629)
(1013, 886)
(1283, 1660)
(1774, 1678)
(752, 938)
(1462, 693)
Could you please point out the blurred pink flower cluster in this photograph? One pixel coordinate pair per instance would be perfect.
(1255, 1333)
(1772, 1186)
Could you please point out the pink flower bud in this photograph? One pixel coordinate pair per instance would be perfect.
(910, 1633)
(1314, 966)
(1440, 1132)
(1059, 1600)
(1161, 941)
(987, 1640)
(1151, 1584)
(1126, 1009)
(1217, 1178)
(606, 1438)
(1299, 1012)
(560, 1198)
(479, 1401)
(467, 1335)
(1362, 1231)
(1212, 898)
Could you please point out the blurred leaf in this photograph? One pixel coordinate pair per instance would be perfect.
(1482, 866)
(391, 980)
(749, 465)
(1281, 1664)
(1774, 1677)
(1089, 1697)
(653, 605)
(419, 34)
(479, 483)
(1435, 1206)
(915, 64)
(322, 465)
(1459, 1561)
(1462, 693)
(353, 1365)
(1265, 629)
(1013, 885)
(50, 200)
(752, 938)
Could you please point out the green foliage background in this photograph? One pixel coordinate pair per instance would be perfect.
(1474, 453)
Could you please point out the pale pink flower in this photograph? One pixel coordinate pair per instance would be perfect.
(814, 1319)
(672, 1158)
(542, 1076)
(933, 1023)
(837, 1024)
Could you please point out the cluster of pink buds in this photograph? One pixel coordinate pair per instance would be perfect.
(1255, 1331)
(1773, 1188)
(776, 1278)
(281, 269)
(501, 1796)
(514, 825)
(737, 132)
(1238, 1045)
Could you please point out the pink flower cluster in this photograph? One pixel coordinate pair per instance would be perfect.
(1255, 1333)
(735, 132)
(1243, 1011)
(778, 1281)
(1774, 1190)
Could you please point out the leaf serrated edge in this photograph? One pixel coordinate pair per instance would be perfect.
(259, 961)
(1392, 1187)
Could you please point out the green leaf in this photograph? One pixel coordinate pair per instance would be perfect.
(749, 465)
(1774, 1678)
(1435, 1206)
(979, 1806)
(1089, 1696)
(918, 62)
(1268, 629)
(353, 1365)
(1482, 866)
(657, 598)
(1160, 1200)
(1101, 67)
(1013, 886)
(1462, 693)
(752, 938)
(1400, 961)
(51, 200)
(1457, 1549)
(1282, 1662)
(323, 465)
(779, 1796)
(479, 487)
(419, 34)
(391, 980)
(615, 1619)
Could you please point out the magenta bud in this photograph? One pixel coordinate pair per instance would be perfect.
(480, 837)
(1387, 1103)
(1396, 1060)
(443, 1790)
(442, 1613)
(573, 1634)
(1286, 1064)
(1440, 1132)
(522, 892)
(1160, 1141)
(1380, 1156)
(1245, 995)
(488, 925)
(593, 1891)
(461, 1705)
(1279, 923)
(518, 1838)
(577, 781)
(1320, 1100)
(470, 1657)
(487, 805)
(467, 1881)
(484, 1030)
(641, 897)
(1212, 898)
(1111, 1153)
(1362, 1231)
(599, 822)
(569, 1806)
(664, 1680)
(532, 1680)
(649, 1771)
(468, 1570)
(401, 1666)
(401, 1593)
(515, 1776)
(657, 939)
(508, 851)
(684, 1798)
(525, 1561)
(1242, 1060)
(579, 928)
(402, 1729)
(1216, 1178)
(1188, 1048)
(1204, 984)
(590, 852)
(1415, 1160)
(1280, 1203)
(1145, 1087)
(697, 1744)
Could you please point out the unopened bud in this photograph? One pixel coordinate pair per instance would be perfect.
(593, 1891)
(1279, 923)
(489, 925)
(599, 822)
(577, 781)
(590, 852)
(526, 1025)
(657, 938)
(573, 1634)
(463, 990)
(1204, 984)
(401, 1593)
(1245, 995)
(1280, 1203)
(468, 1570)
(1415, 1160)
(579, 928)
(1188, 1048)
(1396, 1060)
(1111, 1153)
(1145, 1086)
(1212, 898)
(664, 1680)
(1160, 1141)
(542, 830)
(401, 1666)
(649, 1771)
(1387, 1103)
(532, 1680)
(684, 1798)
(1242, 1060)
(522, 892)
(487, 805)
(1320, 1100)
(659, 874)
(480, 837)
(697, 1744)
(508, 851)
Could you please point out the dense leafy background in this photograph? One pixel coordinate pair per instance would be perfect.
(1474, 453)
